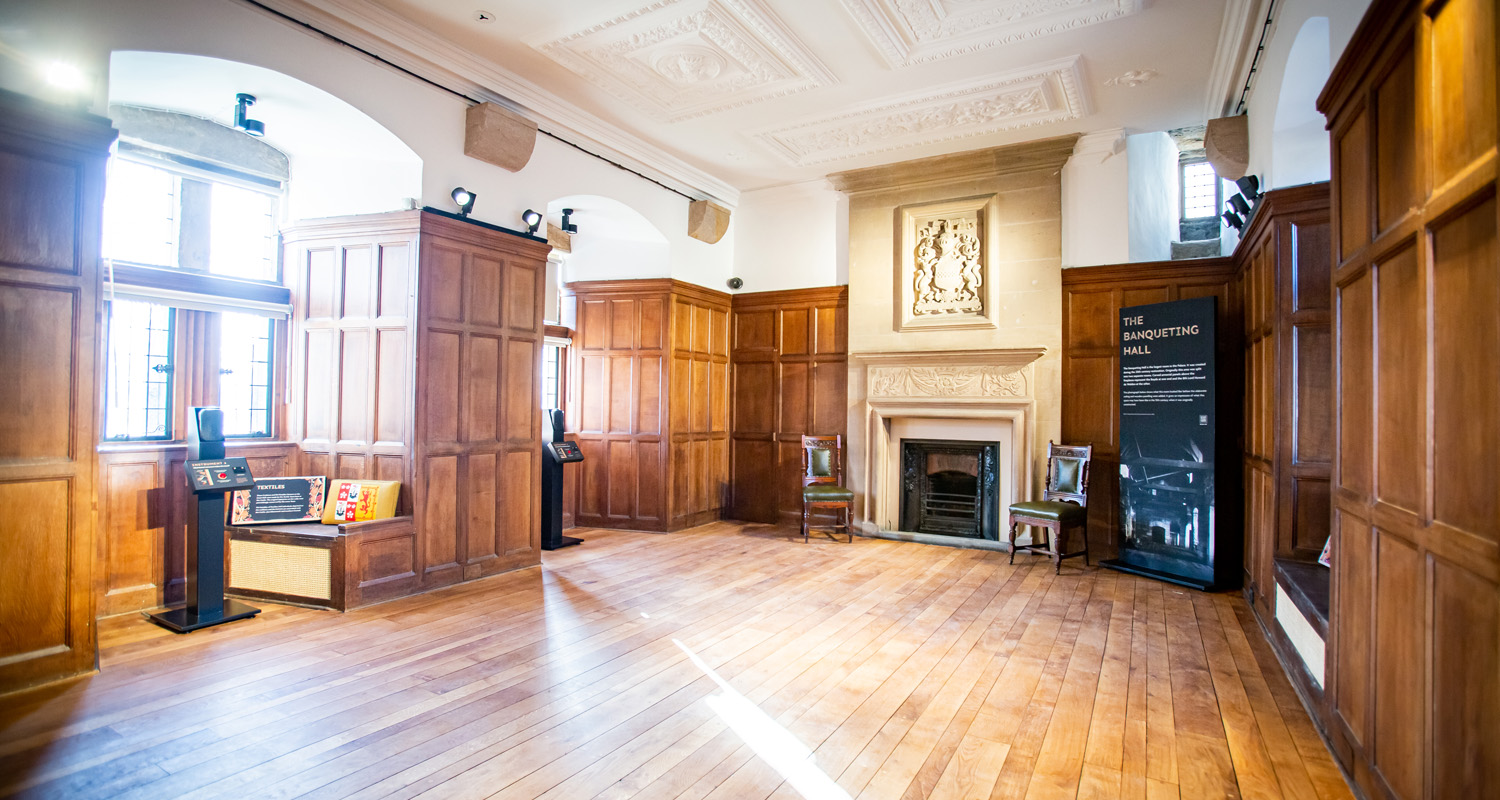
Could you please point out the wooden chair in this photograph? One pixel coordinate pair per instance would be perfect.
(822, 482)
(1064, 504)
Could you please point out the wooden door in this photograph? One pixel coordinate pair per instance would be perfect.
(51, 202)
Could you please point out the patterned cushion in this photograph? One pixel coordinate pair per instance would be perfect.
(1066, 474)
(1051, 509)
(826, 492)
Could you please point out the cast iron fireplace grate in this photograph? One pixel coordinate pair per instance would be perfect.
(950, 488)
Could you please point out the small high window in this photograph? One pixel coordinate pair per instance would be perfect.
(1200, 190)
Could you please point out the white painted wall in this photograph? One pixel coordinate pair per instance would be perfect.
(1095, 188)
(1299, 152)
(792, 237)
(1153, 197)
(428, 120)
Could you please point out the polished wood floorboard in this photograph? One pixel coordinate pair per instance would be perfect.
(729, 661)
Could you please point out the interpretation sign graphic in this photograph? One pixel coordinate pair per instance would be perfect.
(279, 500)
(1167, 432)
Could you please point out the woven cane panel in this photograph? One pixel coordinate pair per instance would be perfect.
(280, 568)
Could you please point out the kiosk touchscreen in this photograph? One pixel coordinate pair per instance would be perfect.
(210, 475)
(555, 454)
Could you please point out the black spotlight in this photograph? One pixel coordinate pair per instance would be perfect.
(533, 221)
(254, 127)
(1234, 220)
(735, 283)
(1238, 204)
(465, 200)
(1249, 187)
(566, 225)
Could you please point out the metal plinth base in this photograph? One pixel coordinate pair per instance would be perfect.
(183, 621)
(1147, 572)
(563, 541)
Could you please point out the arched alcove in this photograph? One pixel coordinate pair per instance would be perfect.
(1299, 143)
(613, 241)
(342, 161)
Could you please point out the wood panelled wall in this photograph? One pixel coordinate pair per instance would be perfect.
(1414, 661)
(476, 475)
(649, 403)
(143, 514)
(1285, 268)
(1092, 299)
(51, 201)
(791, 376)
(698, 409)
(354, 284)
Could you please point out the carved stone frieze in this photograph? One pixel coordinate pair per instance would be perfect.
(959, 381)
(1039, 95)
(686, 58)
(914, 31)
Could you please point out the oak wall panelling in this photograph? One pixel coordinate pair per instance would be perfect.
(1092, 299)
(353, 360)
(477, 426)
(789, 359)
(649, 403)
(1414, 627)
(51, 201)
(145, 510)
(1284, 265)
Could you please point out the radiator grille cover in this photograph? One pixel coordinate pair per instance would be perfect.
(280, 568)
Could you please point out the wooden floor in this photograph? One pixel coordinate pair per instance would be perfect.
(696, 665)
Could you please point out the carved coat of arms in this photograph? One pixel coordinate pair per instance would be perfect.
(946, 274)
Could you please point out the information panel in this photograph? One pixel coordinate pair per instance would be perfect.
(1167, 433)
(279, 500)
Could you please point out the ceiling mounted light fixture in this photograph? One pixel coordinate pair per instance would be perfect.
(242, 121)
(465, 200)
(533, 221)
(568, 226)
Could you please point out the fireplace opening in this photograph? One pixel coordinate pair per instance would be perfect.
(950, 488)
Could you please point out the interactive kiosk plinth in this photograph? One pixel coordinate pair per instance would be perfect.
(555, 454)
(211, 475)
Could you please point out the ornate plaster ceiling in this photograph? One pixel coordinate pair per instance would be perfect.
(913, 31)
(686, 58)
(1040, 94)
(754, 93)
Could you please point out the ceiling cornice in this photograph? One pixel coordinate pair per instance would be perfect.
(1238, 36)
(404, 43)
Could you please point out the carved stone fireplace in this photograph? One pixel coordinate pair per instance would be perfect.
(948, 488)
(980, 396)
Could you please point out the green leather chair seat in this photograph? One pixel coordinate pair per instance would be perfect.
(820, 492)
(1050, 509)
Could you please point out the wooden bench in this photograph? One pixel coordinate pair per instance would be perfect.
(331, 566)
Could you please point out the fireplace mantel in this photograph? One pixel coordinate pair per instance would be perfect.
(988, 388)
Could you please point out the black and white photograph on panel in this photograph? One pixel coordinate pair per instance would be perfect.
(1167, 432)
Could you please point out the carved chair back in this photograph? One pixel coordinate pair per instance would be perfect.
(822, 460)
(1068, 473)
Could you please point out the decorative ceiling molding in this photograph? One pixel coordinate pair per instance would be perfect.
(1039, 95)
(409, 46)
(1133, 78)
(914, 31)
(1236, 49)
(685, 58)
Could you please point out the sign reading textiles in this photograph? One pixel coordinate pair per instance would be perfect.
(358, 501)
(1167, 443)
(279, 500)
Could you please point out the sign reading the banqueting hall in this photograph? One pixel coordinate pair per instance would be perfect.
(1167, 430)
